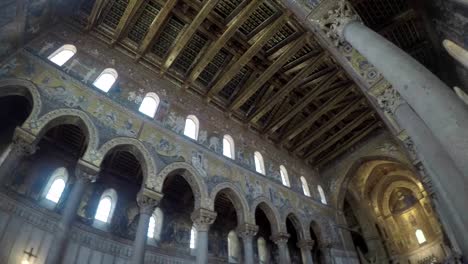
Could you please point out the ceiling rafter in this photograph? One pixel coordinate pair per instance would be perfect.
(323, 85)
(216, 46)
(264, 36)
(187, 33)
(248, 91)
(285, 90)
(349, 143)
(351, 107)
(98, 7)
(124, 23)
(329, 104)
(343, 132)
(155, 27)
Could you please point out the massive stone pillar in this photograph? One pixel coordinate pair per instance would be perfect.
(23, 145)
(247, 232)
(306, 250)
(448, 182)
(281, 240)
(85, 173)
(202, 219)
(437, 105)
(147, 201)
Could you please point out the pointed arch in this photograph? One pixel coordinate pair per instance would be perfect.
(62, 54)
(293, 216)
(259, 163)
(305, 186)
(134, 146)
(192, 126)
(238, 200)
(68, 116)
(190, 174)
(229, 147)
(284, 176)
(26, 89)
(149, 105)
(106, 206)
(106, 80)
(270, 211)
(56, 185)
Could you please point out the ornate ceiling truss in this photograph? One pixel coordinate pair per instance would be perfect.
(251, 59)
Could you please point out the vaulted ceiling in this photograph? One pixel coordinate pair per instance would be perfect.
(251, 59)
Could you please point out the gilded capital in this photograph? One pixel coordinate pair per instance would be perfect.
(148, 200)
(203, 219)
(247, 230)
(332, 16)
(86, 171)
(306, 244)
(280, 238)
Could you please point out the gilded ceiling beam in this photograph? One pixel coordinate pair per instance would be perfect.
(125, 20)
(187, 33)
(349, 143)
(264, 36)
(250, 90)
(285, 90)
(351, 107)
(156, 27)
(95, 13)
(343, 132)
(216, 46)
(327, 106)
(324, 84)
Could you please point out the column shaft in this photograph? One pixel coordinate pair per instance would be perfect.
(202, 247)
(283, 253)
(59, 245)
(139, 243)
(248, 250)
(306, 250)
(449, 182)
(437, 105)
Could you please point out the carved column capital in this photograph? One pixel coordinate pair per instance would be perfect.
(148, 200)
(332, 16)
(85, 171)
(306, 244)
(280, 238)
(203, 219)
(247, 230)
(23, 143)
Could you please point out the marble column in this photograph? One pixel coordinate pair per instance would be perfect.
(147, 201)
(85, 173)
(202, 220)
(281, 240)
(437, 105)
(23, 145)
(449, 183)
(247, 232)
(306, 250)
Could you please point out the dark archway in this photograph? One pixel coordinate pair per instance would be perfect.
(317, 254)
(292, 229)
(223, 243)
(266, 251)
(14, 110)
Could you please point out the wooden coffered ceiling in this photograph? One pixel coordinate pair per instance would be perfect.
(252, 59)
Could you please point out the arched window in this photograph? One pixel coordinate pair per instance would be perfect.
(420, 236)
(149, 105)
(322, 194)
(63, 54)
(155, 225)
(305, 186)
(151, 227)
(228, 147)
(259, 165)
(284, 176)
(106, 79)
(193, 238)
(56, 185)
(106, 206)
(233, 247)
(262, 250)
(191, 127)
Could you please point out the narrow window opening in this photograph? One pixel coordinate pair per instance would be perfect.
(191, 127)
(106, 79)
(63, 54)
(284, 176)
(56, 190)
(305, 186)
(104, 209)
(193, 238)
(149, 105)
(228, 147)
(259, 165)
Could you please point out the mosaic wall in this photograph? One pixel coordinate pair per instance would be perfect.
(115, 115)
